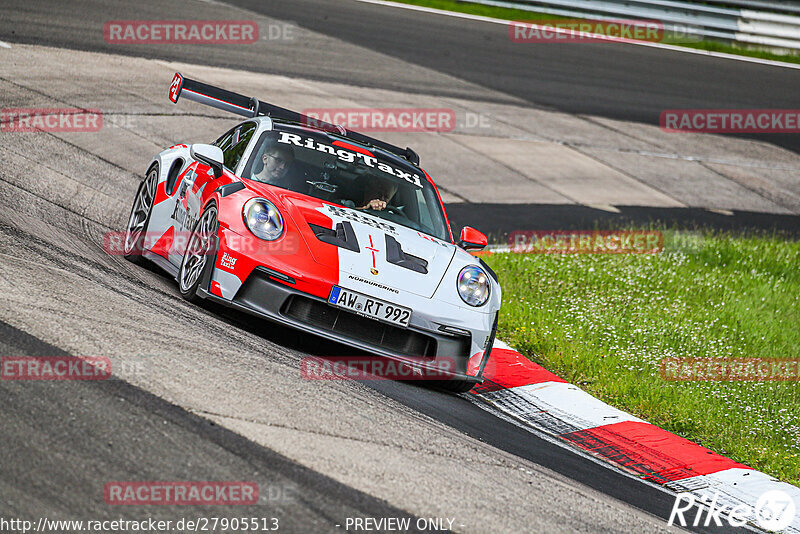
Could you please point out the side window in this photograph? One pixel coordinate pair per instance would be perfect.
(425, 214)
(224, 141)
(234, 147)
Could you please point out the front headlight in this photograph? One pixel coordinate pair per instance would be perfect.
(473, 285)
(263, 219)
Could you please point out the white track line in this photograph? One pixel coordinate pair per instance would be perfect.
(4, 45)
(674, 48)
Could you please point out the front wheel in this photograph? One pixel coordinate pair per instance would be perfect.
(453, 386)
(201, 247)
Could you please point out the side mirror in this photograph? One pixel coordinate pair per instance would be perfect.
(471, 239)
(208, 155)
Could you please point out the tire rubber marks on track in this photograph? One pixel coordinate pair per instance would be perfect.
(650, 451)
(557, 406)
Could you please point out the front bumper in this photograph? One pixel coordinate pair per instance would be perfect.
(265, 297)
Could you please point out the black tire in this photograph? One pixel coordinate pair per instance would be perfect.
(201, 247)
(139, 220)
(452, 386)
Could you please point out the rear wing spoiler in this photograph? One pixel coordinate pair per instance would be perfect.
(252, 107)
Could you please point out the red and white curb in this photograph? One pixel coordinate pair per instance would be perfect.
(535, 397)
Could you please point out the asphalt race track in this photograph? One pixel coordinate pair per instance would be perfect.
(602, 93)
(109, 430)
(203, 393)
(635, 83)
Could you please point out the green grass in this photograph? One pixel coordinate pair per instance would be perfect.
(482, 10)
(604, 322)
(520, 14)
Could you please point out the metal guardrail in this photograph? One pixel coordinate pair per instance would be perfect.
(791, 8)
(756, 22)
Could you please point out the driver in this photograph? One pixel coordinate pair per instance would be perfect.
(276, 159)
(377, 194)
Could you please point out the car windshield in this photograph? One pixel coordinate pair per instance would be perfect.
(339, 171)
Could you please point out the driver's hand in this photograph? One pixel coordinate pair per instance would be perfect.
(376, 204)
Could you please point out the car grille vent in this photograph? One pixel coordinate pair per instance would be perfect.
(342, 236)
(395, 255)
(370, 331)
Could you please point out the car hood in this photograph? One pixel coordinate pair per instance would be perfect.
(367, 247)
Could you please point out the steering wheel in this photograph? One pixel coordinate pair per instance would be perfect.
(395, 210)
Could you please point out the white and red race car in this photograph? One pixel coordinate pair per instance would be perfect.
(321, 229)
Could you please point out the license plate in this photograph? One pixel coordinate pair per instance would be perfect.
(369, 306)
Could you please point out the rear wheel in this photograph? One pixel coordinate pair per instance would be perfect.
(140, 217)
(195, 261)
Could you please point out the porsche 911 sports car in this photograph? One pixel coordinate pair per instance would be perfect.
(321, 229)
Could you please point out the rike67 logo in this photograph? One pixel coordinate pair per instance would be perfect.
(774, 511)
